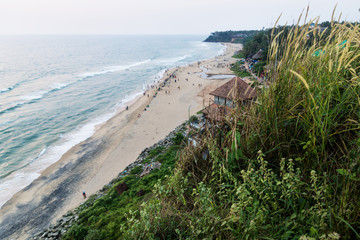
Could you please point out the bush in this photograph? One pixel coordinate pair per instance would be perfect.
(194, 119)
(95, 234)
(76, 232)
(136, 170)
(238, 69)
(179, 137)
(155, 152)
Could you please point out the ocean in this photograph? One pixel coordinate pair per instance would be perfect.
(54, 90)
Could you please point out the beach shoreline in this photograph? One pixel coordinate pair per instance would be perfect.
(93, 163)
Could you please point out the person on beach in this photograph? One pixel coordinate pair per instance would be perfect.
(84, 195)
(127, 107)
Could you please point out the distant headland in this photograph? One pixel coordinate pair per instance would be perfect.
(231, 36)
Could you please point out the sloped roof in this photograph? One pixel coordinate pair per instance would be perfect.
(236, 88)
(258, 55)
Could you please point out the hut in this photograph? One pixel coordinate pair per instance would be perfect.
(233, 93)
(258, 55)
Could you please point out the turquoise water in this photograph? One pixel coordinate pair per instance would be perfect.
(55, 89)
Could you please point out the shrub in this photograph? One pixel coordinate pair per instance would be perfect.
(136, 170)
(194, 119)
(76, 232)
(95, 234)
(179, 137)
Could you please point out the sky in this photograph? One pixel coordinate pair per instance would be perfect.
(160, 16)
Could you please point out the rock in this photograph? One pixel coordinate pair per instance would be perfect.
(122, 187)
(54, 235)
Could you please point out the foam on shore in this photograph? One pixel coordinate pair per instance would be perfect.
(125, 134)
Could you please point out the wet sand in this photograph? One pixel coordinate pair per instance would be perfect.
(115, 144)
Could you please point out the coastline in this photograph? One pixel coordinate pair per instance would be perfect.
(93, 163)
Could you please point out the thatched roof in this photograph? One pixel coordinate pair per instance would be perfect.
(258, 55)
(235, 89)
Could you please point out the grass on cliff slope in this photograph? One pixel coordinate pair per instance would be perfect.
(100, 218)
(285, 167)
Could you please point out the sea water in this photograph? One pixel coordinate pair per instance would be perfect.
(54, 90)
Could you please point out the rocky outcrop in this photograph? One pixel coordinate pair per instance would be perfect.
(55, 231)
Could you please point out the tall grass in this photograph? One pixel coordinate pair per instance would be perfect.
(312, 98)
(311, 112)
(285, 167)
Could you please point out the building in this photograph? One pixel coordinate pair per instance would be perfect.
(228, 96)
(259, 55)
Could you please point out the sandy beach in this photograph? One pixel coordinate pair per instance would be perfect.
(94, 162)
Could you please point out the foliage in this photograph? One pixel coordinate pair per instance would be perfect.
(238, 69)
(258, 204)
(239, 54)
(259, 67)
(194, 119)
(179, 137)
(259, 41)
(136, 170)
(231, 36)
(285, 167)
(102, 218)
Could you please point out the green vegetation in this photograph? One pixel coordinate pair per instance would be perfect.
(259, 41)
(285, 167)
(239, 55)
(178, 139)
(239, 69)
(259, 67)
(194, 119)
(101, 218)
(231, 36)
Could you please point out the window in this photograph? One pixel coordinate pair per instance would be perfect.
(221, 101)
(229, 103)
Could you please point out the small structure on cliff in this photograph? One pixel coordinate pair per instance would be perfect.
(234, 93)
(259, 55)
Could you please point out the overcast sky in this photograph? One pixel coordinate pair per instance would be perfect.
(159, 16)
